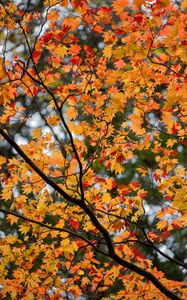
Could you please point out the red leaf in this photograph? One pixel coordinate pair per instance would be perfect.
(113, 183)
(74, 224)
(75, 60)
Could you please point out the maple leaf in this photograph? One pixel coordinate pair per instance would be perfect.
(60, 50)
(24, 229)
(6, 194)
(12, 219)
(162, 224)
(74, 224)
(107, 51)
(92, 150)
(79, 5)
(75, 49)
(120, 5)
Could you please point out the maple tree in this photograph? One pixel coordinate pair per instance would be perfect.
(93, 180)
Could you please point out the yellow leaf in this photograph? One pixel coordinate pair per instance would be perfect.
(19, 275)
(5, 97)
(184, 4)
(32, 282)
(60, 223)
(107, 51)
(120, 5)
(64, 235)
(143, 171)
(115, 271)
(2, 160)
(119, 52)
(72, 113)
(53, 15)
(180, 199)
(136, 124)
(53, 120)
(106, 197)
(24, 228)
(72, 22)
(78, 129)
(36, 133)
(12, 219)
(171, 142)
(117, 167)
(85, 281)
(11, 239)
(30, 296)
(181, 171)
(60, 51)
(13, 161)
(54, 2)
(88, 226)
(162, 224)
(6, 193)
(49, 280)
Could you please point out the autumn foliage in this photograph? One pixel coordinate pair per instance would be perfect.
(92, 167)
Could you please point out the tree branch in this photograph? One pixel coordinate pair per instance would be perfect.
(8, 212)
(95, 222)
